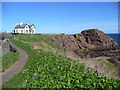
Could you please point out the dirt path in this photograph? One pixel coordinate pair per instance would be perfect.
(16, 68)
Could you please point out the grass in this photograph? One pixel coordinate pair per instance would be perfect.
(41, 38)
(45, 46)
(9, 59)
(51, 70)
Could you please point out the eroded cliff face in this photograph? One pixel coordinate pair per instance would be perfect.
(88, 42)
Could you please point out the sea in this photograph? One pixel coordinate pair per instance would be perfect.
(116, 37)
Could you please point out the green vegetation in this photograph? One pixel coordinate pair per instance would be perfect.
(51, 70)
(9, 59)
(40, 38)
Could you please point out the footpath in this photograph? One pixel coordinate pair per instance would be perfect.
(16, 68)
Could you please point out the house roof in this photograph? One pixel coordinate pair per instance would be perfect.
(23, 26)
(17, 26)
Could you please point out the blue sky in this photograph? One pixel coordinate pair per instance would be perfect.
(61, 17)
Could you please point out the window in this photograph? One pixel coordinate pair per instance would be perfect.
(16, 31)
(21, 31)
(26, 31)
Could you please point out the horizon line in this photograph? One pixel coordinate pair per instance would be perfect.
(61, 33)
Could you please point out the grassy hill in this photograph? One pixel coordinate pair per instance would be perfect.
(45, 69)
(42, 40)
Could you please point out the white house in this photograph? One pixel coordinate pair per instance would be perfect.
(24, 28)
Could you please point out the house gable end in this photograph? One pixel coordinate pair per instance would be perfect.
(26, 26)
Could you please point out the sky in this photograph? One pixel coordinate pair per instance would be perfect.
(61, 17)
(60, 0)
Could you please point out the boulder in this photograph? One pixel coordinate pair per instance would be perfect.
(4, 46)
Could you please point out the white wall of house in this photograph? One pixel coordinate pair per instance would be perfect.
(33, 28)
(25, 30)
(19, 31)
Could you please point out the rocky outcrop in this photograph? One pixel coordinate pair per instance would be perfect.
(98, 39)
(4, 46)
(91, 42)
(68, 42)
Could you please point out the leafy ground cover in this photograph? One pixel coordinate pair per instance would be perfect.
(51, 70)
(8, 59)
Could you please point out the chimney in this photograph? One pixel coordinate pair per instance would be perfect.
(27, 23)
(16, 23)
(21, 23)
